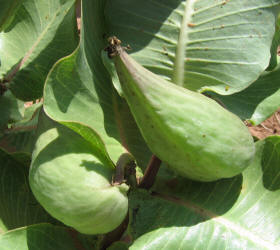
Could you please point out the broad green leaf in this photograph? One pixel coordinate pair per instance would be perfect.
(7, 12)
(11, 109)
(18, 206)
(45, 237)
(258, 102)
(236, 213)
(41, 32)
(216, 45)
(79, 92)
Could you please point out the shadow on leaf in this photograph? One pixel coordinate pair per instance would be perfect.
(177, 201)
(270, 163)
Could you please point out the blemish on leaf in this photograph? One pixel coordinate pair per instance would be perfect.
(165, 50)
(222, 26)
(225, 2)
(226, 88)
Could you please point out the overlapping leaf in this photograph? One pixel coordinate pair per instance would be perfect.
(221, 46)
(79, 92)
(237, 213)
(258, 102)
(7, 11)
(39, 34)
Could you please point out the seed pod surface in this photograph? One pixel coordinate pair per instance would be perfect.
(74, 186)
(192, 133)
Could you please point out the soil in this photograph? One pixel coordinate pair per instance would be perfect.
(271, 126)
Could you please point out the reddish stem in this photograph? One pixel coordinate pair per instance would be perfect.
(150, 173)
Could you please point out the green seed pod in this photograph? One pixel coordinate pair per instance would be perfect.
(192, 133)
(74, 186)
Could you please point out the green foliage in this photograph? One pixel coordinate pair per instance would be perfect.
(67, 164)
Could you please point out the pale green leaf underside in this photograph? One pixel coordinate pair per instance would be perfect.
(79, 90)
(221, 46)
(236, 213)
(34, 41)
(44, 237)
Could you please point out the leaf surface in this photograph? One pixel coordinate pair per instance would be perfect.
(33, 42)
(45, 237)
(7, 11)
(236, 213)
(18, 206)
(222, 46)
(258, 102)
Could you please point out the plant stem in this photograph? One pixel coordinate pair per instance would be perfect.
(150, 173)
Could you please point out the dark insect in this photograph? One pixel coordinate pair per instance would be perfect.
(115, 47)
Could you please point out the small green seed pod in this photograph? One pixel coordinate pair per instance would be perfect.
(74, 186)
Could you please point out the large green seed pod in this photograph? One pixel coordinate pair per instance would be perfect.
(74, 186)
(192, 133)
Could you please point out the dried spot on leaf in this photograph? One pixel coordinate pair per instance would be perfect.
(225, 2)
(165, 50)
(191, 24)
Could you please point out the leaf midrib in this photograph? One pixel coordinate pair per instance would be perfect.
(243, 232)
(35, 44)
(178, 75)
